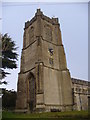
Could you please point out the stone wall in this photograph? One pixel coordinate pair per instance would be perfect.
(80, 94)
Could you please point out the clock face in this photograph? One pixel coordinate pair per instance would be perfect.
(51, 51)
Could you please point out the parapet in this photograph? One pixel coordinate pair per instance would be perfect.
(53, 21)
(80, 82)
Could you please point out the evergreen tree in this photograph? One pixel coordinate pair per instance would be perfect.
(8, 56)
(8, 99)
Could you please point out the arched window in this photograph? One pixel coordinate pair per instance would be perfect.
(31, 34)
(56, 33)
(31, 91)
(48, 33)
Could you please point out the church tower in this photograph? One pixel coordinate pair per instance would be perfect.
(44, 82)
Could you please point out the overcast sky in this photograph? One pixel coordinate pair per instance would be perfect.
(45, 0)
(73, 19)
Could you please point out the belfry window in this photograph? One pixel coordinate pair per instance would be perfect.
(31, 34)
(48, 33)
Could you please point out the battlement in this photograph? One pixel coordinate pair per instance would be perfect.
(78, 81)
(39, 13)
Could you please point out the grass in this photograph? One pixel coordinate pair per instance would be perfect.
(73, 115)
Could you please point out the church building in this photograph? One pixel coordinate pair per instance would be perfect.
(44, 81)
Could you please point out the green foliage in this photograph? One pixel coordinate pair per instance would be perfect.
(9, 55)
(8, 99)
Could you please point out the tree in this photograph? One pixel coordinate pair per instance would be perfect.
(8, 99)
(8, 56)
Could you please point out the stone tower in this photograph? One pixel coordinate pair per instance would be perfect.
(44, 82)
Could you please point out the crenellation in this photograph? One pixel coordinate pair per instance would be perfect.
(78, 81)
(53, 21)
(28, 23)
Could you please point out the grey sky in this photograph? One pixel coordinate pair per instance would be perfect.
(45, 1)
(73, 19)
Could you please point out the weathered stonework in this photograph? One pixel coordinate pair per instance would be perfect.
(80, 94)
(44, 82)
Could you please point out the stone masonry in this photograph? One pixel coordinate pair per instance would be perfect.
(80, 94)
(44, 82)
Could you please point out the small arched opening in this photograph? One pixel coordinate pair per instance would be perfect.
(31, 92)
